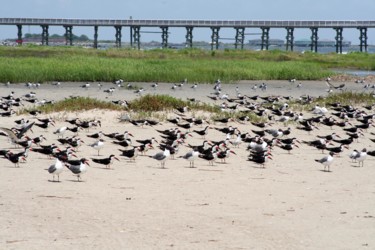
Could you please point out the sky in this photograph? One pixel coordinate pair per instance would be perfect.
(194, 10)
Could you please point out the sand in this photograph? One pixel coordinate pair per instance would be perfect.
(289, 204)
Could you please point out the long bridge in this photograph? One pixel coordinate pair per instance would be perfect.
(215, 26)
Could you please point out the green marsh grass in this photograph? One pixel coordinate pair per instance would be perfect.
(44, 64)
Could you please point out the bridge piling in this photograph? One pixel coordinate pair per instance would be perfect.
(289, 38)
(95, 37)
(339, 38)
(189, 37)
(314, 39)
(240, 37)
(19, 34)
(118, 36)
(45, 34)
(135, 36)
(265, 37)
(68, 35)
(215, 38)
(164, 37)
(363, 39)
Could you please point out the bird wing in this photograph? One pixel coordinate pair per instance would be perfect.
(24, 130)
(52, 169)
(10, 134)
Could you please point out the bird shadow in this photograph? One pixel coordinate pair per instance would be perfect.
(325, 171)
(54, 181)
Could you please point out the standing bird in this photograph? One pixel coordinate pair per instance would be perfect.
(190, 156)
(359, 156)
(162, 157)
(98, 145)
(79, 168)
(106, 161)
(326, 161)
(15, 158)
(56, 169)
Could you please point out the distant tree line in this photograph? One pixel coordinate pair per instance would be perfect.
(56, 36)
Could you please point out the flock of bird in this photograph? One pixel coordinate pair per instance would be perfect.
(237, 130)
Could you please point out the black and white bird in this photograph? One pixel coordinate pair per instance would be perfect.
(162, 157)
(79, 168)
(106, 161)
(98, 145)
(326, 161)
(191, 157)
(56, 169)
(359, 156)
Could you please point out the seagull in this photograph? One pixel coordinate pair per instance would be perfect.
(162, 156)
(190, 156)
(326, 161)
(359, 156)
(139, 91)
(78, 169)
(98, 145)
(56, 169)
(195, 86)
(85, 86)
(154, 86)
(106, 161)
(60, 131)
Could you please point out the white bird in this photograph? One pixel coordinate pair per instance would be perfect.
(56, 169)
(78, 169)
(154, 86)
(162, 157)
(60, 131)
(326, 161)
(359, 156)
(85, 86)
(98, 145)
(190, 156)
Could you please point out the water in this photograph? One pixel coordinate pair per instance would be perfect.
(359, 73)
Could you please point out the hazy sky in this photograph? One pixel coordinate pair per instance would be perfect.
(191, 9)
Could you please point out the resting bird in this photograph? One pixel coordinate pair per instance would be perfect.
(56, 169)
(190, 156)
(326, 161)
(162, 157)
(78, 169)
(106, 161)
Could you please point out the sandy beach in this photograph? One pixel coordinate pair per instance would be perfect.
(290, 204)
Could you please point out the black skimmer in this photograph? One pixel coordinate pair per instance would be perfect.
(148, 141)
(224, 120)
(78, 168)
(162, 157)
(223, 155)
(337, 150)
(190, 156)
(73, 121)
(131, 154)
(125, 143)
(174, 120)
(14, 158)
(106, 161)
(203, 132)
(326, 161)
(287, 146)
(56, 169)
(210, 157)
(97, 135)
